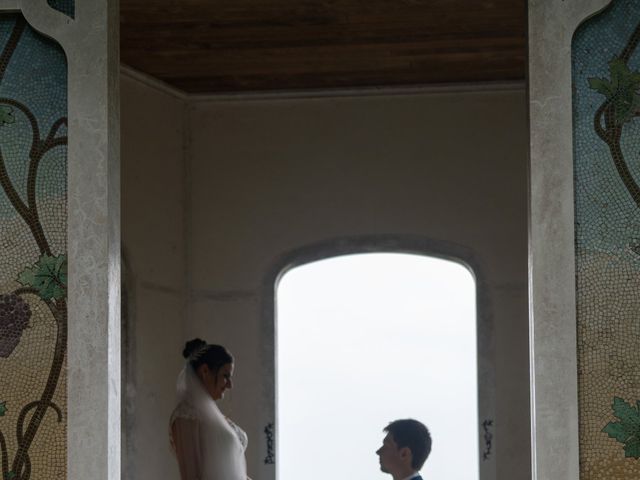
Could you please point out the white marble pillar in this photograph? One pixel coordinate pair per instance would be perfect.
(90, 42)
(554, 394)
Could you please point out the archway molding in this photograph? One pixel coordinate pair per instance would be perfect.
(407, 244)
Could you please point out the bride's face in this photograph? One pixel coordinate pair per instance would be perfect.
(217, 383)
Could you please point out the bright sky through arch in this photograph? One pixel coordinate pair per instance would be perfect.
(366, 339)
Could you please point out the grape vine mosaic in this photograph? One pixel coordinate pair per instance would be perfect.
(33, 244)
(606, 108)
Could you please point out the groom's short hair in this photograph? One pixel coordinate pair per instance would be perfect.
(413, 435)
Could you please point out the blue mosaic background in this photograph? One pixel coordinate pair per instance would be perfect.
(68, 7)
(33, 244)
(608, 241)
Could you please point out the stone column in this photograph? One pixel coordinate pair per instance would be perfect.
(87, 31)
(553, 341)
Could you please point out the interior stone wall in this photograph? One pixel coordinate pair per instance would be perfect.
(268, 177)
(606, 80)
(219, 192)
(154, 249)
(33, 253)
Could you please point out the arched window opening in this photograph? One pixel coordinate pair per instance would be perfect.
(366, 339)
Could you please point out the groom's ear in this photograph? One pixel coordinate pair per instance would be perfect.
(405, 454)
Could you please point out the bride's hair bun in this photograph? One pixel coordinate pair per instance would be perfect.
(198, 352)
(193, 346)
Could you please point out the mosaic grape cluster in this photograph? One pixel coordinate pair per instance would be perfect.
(15, 314)
(606, 108)
(33, 253)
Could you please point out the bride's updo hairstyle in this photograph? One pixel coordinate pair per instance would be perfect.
(199, 352)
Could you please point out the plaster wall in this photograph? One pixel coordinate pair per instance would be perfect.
(154, 273)
(269, 176)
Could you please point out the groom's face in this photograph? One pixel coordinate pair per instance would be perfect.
(392, 458)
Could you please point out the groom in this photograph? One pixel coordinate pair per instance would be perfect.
(405, 449)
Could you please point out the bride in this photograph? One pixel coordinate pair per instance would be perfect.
(208, 445)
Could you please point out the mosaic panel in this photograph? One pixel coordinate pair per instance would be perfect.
(607, 200)
(33, 244)
(68, 7)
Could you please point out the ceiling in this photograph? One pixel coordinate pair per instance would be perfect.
(215, 46)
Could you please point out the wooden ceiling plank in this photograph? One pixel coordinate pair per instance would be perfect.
(272, 44)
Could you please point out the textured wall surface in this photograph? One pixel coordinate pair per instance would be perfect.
(154, 248)
(607, 201)
(269, 177)
(33, 249)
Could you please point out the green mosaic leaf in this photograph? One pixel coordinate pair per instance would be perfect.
(48, 276)
(10, 475)
(6, 115)
(632, 448)
(3, 409)
(602, 85)
(621, 90)
(627, 430)
(617, 431)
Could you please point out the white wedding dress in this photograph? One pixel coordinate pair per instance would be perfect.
(207, 444)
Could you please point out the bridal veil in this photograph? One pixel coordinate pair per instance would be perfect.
(218, 449)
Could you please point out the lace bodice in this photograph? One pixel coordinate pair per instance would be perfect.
(187, 412)
(242, 435)
(183, 410)
(186, 430)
